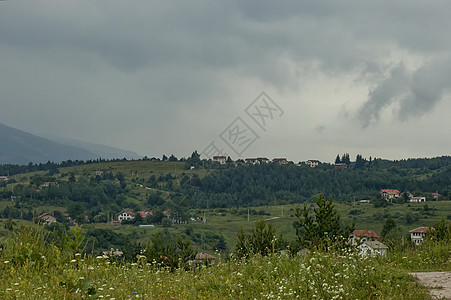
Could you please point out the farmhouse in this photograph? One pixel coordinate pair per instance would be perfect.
(363, 236)
(417, 235)
(46, 218)
(417, 199)
(282, 161)
(220, 159)
(263, 160)
(389, 194)
(126, 215)
(373, 248)
(251, 161)
(312, 163)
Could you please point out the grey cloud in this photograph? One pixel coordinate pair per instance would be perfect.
(415, 94)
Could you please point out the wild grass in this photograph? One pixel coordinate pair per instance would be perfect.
(32, 266)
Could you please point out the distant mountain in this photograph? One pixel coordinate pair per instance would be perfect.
(19, 147)
(106, 152)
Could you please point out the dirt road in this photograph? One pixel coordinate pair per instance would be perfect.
(439, 283)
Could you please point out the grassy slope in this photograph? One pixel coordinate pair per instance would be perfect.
(227, 223)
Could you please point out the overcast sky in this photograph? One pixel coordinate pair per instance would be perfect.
(163, 77)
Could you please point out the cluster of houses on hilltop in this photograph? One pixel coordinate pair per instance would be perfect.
(222, 159)
(390, 194)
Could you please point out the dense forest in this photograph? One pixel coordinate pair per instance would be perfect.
(264, 184)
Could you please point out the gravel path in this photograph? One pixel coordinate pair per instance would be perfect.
(439, 283)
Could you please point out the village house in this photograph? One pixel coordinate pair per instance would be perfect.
(50, 183)
(46, 218)
(368, 242)
(129, 215)
(417, 235)
(221, 159)
(282, 161)
(251, 161)
(312, 163)
(389, 194)
(263, 160)
(435, 196)
(373, 248)
(3, 178)
(417, 199)
(363, 236)
(126, 215)
(202, 258)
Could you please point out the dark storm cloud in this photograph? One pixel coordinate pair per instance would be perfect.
(415, 94)
(157, 64)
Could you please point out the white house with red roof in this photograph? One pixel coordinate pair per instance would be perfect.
(46, 218)
(417, 199)
(368, 242)
(220, 159)
(417, 235)
(312, 163)
(129, 215)
(435, 195)
(251, 161)
(363, 236)
(263, 160)
(389, 194)
(282, 161)
(126, 215)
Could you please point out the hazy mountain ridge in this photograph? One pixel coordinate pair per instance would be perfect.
(20, 147)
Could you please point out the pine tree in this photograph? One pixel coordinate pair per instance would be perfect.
(323, 229)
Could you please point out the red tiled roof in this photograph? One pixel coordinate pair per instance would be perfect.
(250, 159)
(43, 215)
(365, 233)
(219, 156)
(390, 191)
(279, 159)
(422, 229)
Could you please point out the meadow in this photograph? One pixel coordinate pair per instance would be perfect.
(32, 267)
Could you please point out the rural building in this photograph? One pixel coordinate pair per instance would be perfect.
(373, 248)
(46, 218)
(417, 235)
(312, 163)
(126, 215)
(220, 159)
(263, 160)
(435, 195)
(389, 194)
(251, 161)
(3, 178)
(282, 161)
(417, 199)
(363, 236)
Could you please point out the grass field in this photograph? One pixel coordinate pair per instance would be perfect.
(31, 268)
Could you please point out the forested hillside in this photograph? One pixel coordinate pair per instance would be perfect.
(272, 183)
